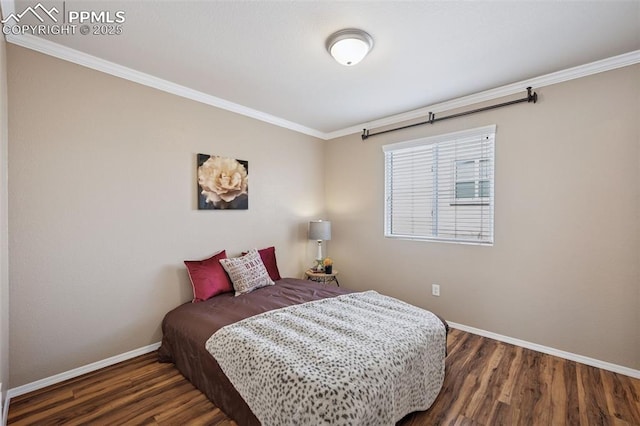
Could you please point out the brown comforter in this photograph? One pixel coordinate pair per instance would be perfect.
(187, 328)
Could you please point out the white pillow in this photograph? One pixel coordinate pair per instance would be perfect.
(247, 273)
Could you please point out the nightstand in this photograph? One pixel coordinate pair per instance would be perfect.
(321, 277)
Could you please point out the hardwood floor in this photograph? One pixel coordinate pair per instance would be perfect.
(487, 383)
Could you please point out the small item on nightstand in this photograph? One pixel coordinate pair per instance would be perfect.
(328, 265)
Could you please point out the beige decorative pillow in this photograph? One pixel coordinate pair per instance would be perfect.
(247, 273)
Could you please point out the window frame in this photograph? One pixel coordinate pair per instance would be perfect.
(486, 203)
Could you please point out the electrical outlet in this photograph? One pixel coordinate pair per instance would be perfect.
(435, 289)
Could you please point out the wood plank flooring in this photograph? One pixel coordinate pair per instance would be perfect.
(487, 383)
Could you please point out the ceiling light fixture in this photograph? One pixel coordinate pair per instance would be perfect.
(349, 46)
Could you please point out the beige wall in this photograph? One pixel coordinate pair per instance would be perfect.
(4, 241)
(564, 270)
(102, 213)
(102, 208)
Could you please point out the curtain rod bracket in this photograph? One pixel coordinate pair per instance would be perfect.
(531, 97)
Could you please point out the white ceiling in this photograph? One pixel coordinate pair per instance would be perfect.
(271, 57)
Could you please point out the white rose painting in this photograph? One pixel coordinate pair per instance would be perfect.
(223, 183)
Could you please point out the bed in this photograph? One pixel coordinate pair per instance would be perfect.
(188, 328)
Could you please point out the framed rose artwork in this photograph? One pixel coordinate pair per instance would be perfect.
(223, 183)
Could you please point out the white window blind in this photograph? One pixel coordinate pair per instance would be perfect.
(441, 188)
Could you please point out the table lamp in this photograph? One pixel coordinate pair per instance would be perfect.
(319, 230)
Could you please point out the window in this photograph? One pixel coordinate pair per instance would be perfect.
(472, 179)
(441, 188)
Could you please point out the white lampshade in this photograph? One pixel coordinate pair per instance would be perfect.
(350, 46)
(320, 230)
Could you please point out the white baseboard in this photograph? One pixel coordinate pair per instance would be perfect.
(550, 351)
(52, 380)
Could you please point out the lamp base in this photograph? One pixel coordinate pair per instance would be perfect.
(319, 265)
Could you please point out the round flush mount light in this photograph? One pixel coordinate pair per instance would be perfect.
(349, 46)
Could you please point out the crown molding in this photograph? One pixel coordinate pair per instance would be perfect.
(7, 7)
(66, 53)
(596, 67)
(80, 58)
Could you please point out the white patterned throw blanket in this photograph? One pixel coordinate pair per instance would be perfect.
(355, 359)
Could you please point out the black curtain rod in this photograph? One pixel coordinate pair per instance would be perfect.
(531, 97)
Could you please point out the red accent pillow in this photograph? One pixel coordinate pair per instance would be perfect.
(208, 277)
(268, 256)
